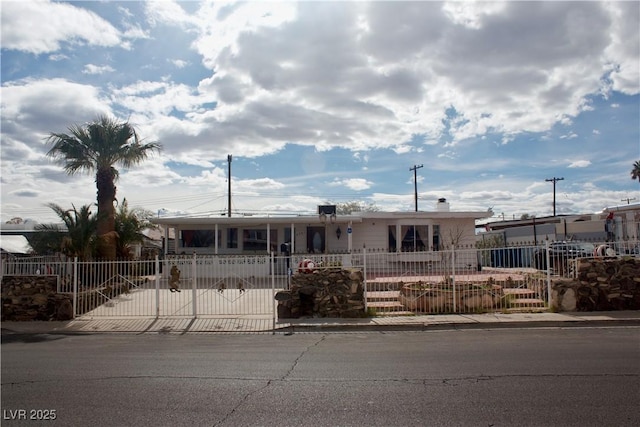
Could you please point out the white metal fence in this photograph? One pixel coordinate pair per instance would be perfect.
(458, 280)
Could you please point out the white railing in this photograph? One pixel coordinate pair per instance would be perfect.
(455, 280)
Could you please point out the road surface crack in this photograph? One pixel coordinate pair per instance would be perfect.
(246, 397)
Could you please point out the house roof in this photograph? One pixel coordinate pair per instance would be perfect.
(357, 217)
(627, 207)
(15, 244)
(250, 220)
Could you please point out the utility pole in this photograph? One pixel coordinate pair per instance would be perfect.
(415, 183)
(628, 200)
(229, 157)
(554, 180)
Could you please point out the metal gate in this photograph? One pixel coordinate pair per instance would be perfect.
(178, 286)
(222, 286)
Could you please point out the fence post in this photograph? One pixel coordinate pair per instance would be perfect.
(75, 287)
(194, 291)
(364, 275)
(548, 259)
(453, 276)
(157, 287)
(273, 295)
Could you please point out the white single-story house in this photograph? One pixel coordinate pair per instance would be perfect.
(324, 233)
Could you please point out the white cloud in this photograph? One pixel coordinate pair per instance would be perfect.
(356, 184)
(96, 69)
(168, 12)
(579, 164)
(31, 108)
(471, 14)
(624, 48)
(570, 135)
(51, 25)
(179, 63)
(58, 57)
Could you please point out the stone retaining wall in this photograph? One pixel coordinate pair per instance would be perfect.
(601, 284)
(323, 293)
(34, 298)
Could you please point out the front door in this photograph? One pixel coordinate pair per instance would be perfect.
(315, 240)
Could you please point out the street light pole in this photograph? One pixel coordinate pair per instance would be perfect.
(415, 183)
(554, 180)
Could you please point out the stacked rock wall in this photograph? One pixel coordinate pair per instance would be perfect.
(601, 284)
(34, 298)
(331, 292)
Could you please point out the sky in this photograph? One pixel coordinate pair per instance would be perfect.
(328, 102)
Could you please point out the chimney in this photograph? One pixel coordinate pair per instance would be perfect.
(442, 205)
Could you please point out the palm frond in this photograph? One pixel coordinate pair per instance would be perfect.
(635, 172)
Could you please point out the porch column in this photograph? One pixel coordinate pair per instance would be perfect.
(215, 250)
(349, 237)
(268, 238)
(176, 239)
(399, 238)
(292, 250)
(165, 248)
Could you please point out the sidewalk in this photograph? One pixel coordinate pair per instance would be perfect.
(247, 324)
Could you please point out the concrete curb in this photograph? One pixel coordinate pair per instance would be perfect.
(455, 326)
(379, 324)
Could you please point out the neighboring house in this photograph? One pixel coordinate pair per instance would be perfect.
(15, 245)
(151, 245)
(615, 224)
(324, 233)
(14, 238)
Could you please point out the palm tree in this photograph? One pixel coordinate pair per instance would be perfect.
(78, 240)
(635, 172)
(97, 147)
(129, 225)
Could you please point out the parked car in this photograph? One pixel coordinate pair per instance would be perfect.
(560, 253)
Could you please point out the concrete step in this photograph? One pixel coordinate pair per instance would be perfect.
(394, 313)
(386, 303)
(526, 310)
(526, 302)
(521, 300)
(383, 295)
(518, 291)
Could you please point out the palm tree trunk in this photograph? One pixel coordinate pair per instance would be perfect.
(106, 213)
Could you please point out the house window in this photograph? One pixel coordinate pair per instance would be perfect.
(436, 238)
(256, 239)
(287, 237)
(414, 237)
(392, 238)
(198, 238)
(232, 238)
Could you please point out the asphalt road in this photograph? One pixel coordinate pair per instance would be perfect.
(503, 377)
